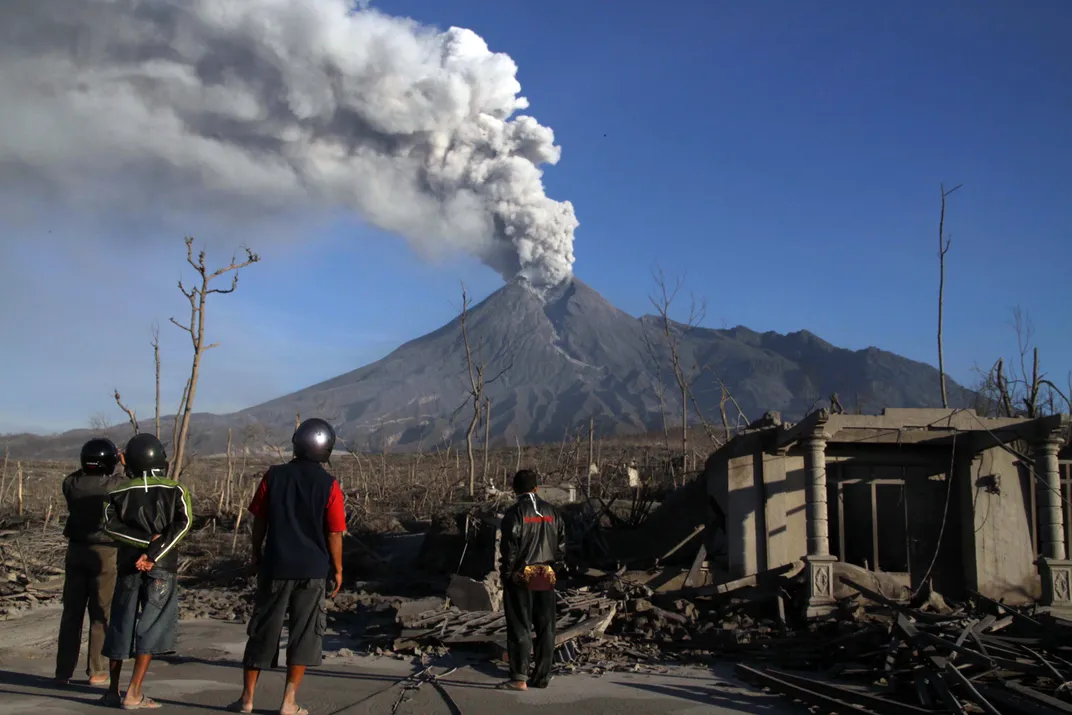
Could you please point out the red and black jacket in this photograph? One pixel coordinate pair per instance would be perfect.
(533, 532)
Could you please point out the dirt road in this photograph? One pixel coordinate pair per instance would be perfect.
(206, 676)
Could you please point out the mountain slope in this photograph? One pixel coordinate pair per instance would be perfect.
(563, 358)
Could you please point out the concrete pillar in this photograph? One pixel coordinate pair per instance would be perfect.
(1050, 511)
(815, 496)
(1054, 567)
(820, 564)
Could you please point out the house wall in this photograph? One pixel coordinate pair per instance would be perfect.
(763, 496)
(997, 532)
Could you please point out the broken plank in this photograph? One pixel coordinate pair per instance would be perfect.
(767, 680)
(875, 703)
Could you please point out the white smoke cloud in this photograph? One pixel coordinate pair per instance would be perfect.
(231, 106)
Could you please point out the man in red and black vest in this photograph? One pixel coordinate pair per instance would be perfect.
(533, 547)
(299, 507)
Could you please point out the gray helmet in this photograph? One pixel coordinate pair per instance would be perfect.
(313, 440)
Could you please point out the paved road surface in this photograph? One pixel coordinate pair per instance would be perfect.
(207, 675)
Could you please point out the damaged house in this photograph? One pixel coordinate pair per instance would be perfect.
(970, 503)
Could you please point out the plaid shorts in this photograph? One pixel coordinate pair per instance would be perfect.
(145, 615)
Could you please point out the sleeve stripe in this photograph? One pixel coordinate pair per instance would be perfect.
(184, 499)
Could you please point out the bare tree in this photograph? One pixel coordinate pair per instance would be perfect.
(1020, 388)
(156, 365)
(478, 380)
(943, 248)
(99, 422)
(673, 331)
(198, 296)
(129, 412)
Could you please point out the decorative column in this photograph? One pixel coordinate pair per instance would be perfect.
(819, 564)
(1054, 567)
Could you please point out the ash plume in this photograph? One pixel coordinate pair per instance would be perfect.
(216, 106)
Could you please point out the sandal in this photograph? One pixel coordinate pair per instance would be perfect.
(299, 711)
(238, 707)
(515, 685)
(146, 703)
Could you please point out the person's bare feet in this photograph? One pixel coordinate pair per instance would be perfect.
(512, 685)
(294, 709)
(98, 680)
(240, 706)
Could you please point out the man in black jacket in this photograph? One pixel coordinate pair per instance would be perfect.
(89, 567)
(148, 515)
(300, 509)
(533, 545)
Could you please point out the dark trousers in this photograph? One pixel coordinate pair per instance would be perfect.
(302, 601)
(527, 611)
(88, 584)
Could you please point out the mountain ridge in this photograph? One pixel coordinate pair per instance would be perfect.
(565, 355)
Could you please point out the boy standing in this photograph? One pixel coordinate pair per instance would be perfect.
(148, 515)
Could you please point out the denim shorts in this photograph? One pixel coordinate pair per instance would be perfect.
(145, 615)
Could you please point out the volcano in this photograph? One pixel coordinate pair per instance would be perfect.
(561, 358)
(567, 356)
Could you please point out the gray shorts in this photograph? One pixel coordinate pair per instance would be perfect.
(145, 615)
(303, 600)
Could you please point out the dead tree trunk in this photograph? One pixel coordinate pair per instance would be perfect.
(487, 435)
(156, 363)
(943, 248)
(198, 297)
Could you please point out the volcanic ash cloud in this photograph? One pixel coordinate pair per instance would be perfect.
(217, 105)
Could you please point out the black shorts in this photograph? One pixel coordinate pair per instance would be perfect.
(303, 600)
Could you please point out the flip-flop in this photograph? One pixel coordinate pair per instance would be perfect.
(299, 711)
(518, 686)
(146, 703)
(238, 707)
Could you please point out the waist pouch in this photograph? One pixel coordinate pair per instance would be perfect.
(537, 577)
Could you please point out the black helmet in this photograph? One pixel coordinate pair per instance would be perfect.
(313, 440)
(144, 453)
(99, 456)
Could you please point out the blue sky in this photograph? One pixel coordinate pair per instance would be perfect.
(785, 155)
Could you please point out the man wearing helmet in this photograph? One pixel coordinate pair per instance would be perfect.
(299, 507)
(89, 568)
(148, 515)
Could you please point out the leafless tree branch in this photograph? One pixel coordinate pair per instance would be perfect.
(129, 412)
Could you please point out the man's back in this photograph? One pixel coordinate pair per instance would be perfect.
(86, 496)
(141, 508)
(533, 533)
(297, 500)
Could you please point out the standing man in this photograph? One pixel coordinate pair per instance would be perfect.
(148, 515)
(533, 545)
(89, 568)
(300, 508)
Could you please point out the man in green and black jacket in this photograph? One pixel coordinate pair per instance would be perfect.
(148, 516)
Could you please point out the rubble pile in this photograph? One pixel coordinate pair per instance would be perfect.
(580, 614)
(26, 580)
